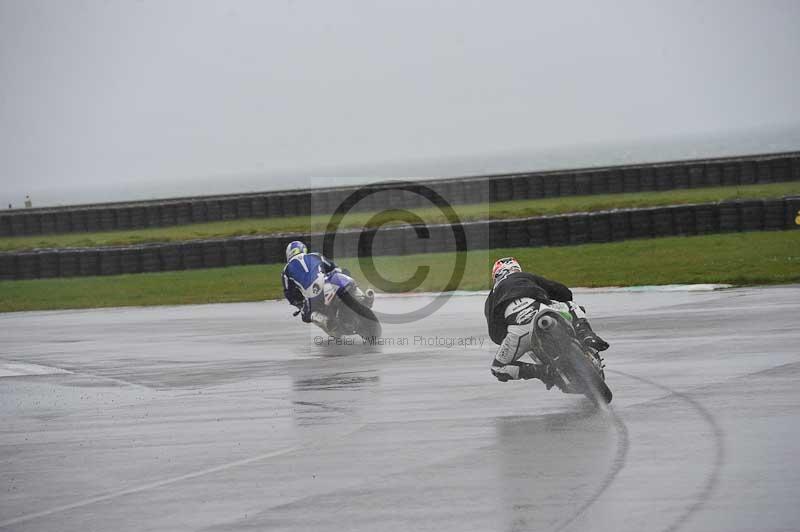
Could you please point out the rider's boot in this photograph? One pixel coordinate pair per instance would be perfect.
(587, 336)
(523, 370)
(538, 371)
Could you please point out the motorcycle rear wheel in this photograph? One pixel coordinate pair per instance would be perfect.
(556, 337)
(579, 368)
(366, 322)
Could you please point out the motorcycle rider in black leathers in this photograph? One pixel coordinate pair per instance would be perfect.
(515, 298)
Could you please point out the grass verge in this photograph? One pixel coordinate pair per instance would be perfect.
(483, 211)
(738, 259)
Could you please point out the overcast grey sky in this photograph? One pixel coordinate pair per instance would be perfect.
(119, 99)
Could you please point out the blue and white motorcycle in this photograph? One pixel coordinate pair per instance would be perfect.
(347, 310)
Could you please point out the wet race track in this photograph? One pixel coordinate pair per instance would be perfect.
(229, 417)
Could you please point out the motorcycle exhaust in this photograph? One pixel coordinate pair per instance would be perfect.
(546, 323)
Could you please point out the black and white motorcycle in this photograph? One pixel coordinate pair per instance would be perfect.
(577, 368)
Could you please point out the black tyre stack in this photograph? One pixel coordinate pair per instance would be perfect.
(578, 229)
(27, 265)
(232, 252)
(683, 220)
(641, 223)
(88, 262)
(752, 215)
(729, 216)
(620, 225)
(538, 234)
(170, 257)
(517, 233)
(600, 227)
(68, 263)
(130, 260)
(150, 259)
(212, 254)
(254, 250)
(557, 231)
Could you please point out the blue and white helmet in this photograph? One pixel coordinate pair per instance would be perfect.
(294, 249)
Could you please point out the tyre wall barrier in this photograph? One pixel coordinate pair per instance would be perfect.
(578, 229)
(557, 230)
(48, 221)
(8, 266)
(683, 219)
(124, 219)
(88, 263)
(130, 260)
(93, 220)
(641, 223)
(27, 266)
(110, 263)
(108, 219)
(191, 255)
(517, 234)
(68, 265)
(150, 260)
(232, 252)
(633, 178)
(252, 251)
(48, 264)
(599, 227)
(560, 230)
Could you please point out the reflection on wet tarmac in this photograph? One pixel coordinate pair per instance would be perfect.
(551, 462)
(348, 380)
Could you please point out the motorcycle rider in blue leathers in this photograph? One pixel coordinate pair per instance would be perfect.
(515, 298)
(304, 281)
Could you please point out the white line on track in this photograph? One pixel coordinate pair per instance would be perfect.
(22, 369)
(145, 487)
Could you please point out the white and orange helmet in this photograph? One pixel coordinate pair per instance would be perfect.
(503, 268)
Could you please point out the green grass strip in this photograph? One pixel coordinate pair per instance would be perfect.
(738, 259)
(482, 211)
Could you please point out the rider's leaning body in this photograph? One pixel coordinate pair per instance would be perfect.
(515, 298)
(303, 280)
